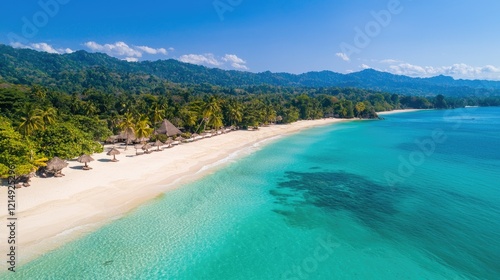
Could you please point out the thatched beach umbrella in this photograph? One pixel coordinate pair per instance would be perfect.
(168, 129)
(158, 144)
(169, 142)
(146, 148)
(137, 147)
(85, 159)
(56, 165)
(141, 140)
(113, 152)
(112, 139)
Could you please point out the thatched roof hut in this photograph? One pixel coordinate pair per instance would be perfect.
(113, 152)
(168, 129)
(56, 165)
(158, 144)
(112, 139)
(169, 142)
(137, 147)
(146, 148)
(141, 140)
(85, 159)
(123, 136)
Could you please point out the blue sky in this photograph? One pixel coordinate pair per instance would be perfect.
(418, 38)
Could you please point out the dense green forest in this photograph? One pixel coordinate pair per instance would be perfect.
(80, 70)
(56, 106)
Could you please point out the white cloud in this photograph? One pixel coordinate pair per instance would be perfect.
(490, 69)
(124, 51)
(235, 61)
(343, 56)
(390, 61)
(150, 50)
(210, 59)
(116, 49)
(364, 66)
(66, 50)
(458, 70)
(43, 47)
(131, 59)
(205, 59)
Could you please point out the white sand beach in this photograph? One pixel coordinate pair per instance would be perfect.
(399, 111)
(54, 211)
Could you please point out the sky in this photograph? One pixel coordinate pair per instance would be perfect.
(418, 38)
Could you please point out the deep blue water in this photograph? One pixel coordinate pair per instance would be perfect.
(415, 196)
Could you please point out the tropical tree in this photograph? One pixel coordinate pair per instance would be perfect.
(269, 114)
(88, 108)
(157, 114)
(65, 141)
(127, 125)
(38, 92)
(211, 113)
(48, 116)
(31, 120)
(233, 110)
(188, 115)
(15, 151)
(360, 108)
(142, 129)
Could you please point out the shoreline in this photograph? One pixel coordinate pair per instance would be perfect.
(55, 211)
(400, 111)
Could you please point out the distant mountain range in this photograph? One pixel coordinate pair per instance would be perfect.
(24, 66)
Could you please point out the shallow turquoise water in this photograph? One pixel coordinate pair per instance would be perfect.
(358, 200)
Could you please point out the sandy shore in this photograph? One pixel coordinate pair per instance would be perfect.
(54, 211)
(398, 111)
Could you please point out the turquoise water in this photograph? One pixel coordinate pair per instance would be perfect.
(358, 200)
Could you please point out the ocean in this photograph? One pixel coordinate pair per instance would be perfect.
(414, 196)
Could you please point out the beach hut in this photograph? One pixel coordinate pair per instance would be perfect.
(141, 140)
(168, 129)
(113, 152)
(85, 159)
(169, 142)
(146, 148)
(158, 144)
(137, 147)
(56, 165)
(111, 139)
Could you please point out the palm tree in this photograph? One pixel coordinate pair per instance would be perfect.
(188, 116)
(216, 120)
(31, 120)
(211, 113)
(127, 125)
(269, 114)
(234, 112)
(89, 108)
(157, 113)
(142, 129)
(48, 116)
(38, 92)
(360, 107)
